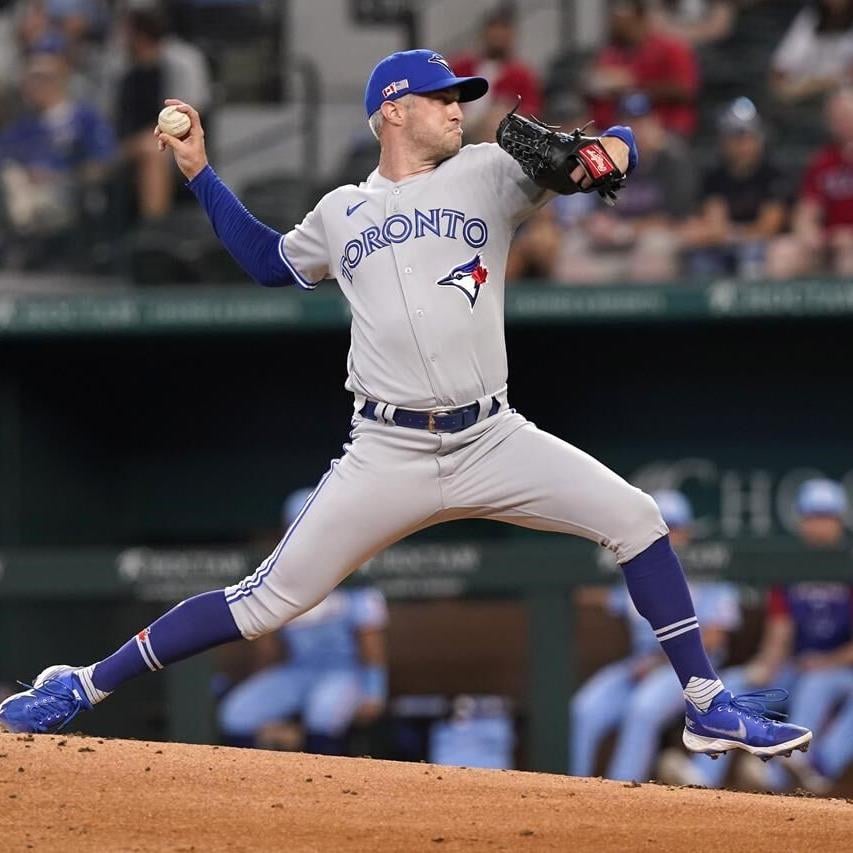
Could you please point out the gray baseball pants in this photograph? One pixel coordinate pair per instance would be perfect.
(392, 481)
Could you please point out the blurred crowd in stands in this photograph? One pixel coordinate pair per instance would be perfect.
(80, 81)
(743, 111)
(723, 188)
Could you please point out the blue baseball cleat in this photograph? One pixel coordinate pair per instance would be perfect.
(53, 701)
(742, 722)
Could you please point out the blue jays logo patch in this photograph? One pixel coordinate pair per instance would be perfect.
(438, 59)
(467, 278)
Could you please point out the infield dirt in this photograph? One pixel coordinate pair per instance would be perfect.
(85, 794)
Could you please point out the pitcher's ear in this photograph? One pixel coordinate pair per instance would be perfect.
(392, 111)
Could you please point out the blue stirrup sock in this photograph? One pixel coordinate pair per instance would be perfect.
(190, 627)
(659, 591)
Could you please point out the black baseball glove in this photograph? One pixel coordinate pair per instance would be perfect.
(548, 157)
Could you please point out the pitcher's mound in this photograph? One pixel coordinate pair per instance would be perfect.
(85, 794)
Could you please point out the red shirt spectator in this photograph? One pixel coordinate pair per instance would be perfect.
(508, 77)
(657, 60)
(507, 80)
(638, 58)
(828, 183)
(821, 238)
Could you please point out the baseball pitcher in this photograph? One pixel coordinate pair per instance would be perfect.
(419, 251)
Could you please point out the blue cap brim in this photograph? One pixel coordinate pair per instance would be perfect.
(470, 88)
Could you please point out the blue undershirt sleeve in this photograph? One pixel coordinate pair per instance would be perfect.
(627, 136)
(252, 244)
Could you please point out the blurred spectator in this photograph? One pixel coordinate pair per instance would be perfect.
(76, 27)
(76, 21)
(744, 201)
(160, 66)
(640, 695)
(807, 649)
(577, 240)
(816, 53)
(696, 21)
(508, 76)
(361, 157)
(50, 158)
(334, 672)
(479, 733)
(638, 58)
(822, 221)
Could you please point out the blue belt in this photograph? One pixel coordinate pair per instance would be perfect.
(438, 420)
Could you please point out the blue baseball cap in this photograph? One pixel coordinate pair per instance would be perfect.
(821, 497)
(415, 72)
(635, 105)
(740, 116)
(674, 507)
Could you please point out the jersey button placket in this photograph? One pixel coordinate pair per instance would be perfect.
(404, 271)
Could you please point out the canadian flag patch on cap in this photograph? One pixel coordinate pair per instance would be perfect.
(393, 88)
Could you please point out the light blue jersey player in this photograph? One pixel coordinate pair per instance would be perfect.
(806, 650)
(639, 695)
(334, 670)
(324, 678)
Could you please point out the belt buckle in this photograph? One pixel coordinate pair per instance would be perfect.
(432, 416)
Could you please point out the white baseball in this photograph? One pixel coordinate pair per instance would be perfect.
(172, 121)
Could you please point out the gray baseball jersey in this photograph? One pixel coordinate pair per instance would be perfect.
(422, 264)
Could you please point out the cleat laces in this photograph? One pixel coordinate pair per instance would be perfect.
(45, 710)
(755, 703)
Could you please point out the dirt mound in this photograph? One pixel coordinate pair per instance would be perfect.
(86, 794)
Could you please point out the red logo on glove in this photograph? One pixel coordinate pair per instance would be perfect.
(596, 161)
